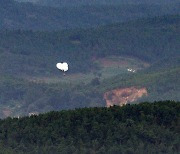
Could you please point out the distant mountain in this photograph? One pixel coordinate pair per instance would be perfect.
(27, 16)
(76, 3)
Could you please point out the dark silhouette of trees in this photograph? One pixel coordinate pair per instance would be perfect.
(143, 128)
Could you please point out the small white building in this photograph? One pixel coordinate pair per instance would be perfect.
(131, 70)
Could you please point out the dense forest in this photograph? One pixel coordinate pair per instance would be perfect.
(143, 128)
(148, 39)
(27, 16)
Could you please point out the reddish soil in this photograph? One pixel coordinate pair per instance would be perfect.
(123, 96)
(119, 61)
(7, 112)
(109, 63)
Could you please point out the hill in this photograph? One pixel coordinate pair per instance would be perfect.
(36, 53)
(21, 97)
(143, 128)
(31, 83)
(28, 16)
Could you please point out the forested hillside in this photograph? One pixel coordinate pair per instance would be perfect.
(28, 54)
(14, 15)
(36, 53)
(119, 52)
(21, 97)
(143, 128)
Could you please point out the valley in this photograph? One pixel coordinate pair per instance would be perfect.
(122, 50)
(89, 76)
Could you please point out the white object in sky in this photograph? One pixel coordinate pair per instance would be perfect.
(62, 66)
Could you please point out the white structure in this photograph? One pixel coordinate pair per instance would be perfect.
(131, 70)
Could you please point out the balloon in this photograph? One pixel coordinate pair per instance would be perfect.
(62, 66)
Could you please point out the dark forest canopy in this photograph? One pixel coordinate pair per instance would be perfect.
(73, 3)
(143, 128)
(27, 16)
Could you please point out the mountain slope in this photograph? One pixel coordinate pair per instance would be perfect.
(27, 54)
(21, 97)
(14, 15)
(148, 39)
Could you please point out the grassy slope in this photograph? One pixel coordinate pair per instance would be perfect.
(161, 85)
(107, 67)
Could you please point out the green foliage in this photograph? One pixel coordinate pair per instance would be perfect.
(14, 15)
(36, 53)
(160, 84)
(143, 128)
(29, 53)
(23, 97)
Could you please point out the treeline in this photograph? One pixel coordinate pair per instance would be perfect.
(143, 128)
(76, 3)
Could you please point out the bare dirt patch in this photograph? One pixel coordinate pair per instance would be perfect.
(123, 96)
(110, 63)
(6, 112)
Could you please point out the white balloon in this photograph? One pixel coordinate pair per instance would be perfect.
(62, 66)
